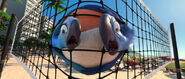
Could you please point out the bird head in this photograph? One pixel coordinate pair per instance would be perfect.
(113, 37)
(68, 34)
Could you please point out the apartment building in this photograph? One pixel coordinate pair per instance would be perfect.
(30, 25)
(46, 23)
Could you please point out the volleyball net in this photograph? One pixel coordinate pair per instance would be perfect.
(149, 52)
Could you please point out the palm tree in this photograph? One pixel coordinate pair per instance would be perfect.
(4, 22)
(56, 4)
(45, 35)
(3, 6)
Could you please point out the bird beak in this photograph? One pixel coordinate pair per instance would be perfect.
(74, 34)
(107, 34)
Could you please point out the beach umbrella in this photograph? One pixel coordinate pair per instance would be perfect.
(181, 59)
(170, 70)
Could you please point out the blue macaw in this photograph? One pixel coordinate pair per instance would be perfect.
(110, 32)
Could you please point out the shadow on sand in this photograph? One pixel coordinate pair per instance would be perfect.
(61, 65)
(11, 64)
(172, 76)
(73, 70)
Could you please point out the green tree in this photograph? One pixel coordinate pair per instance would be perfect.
(46, 34)
(56, 3)
(138, 60)
(4, 22)
(125, 59)
(31, 42)
(3, 6)
(2, 38)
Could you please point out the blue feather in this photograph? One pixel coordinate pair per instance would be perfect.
(59, 42)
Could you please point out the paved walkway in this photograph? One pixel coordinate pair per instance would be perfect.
(13, 70)
(163, 75)
(166, 75)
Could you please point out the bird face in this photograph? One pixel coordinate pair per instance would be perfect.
(70, 33)
(90, 32)
(111, 34)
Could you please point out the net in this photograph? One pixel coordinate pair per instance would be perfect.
(149, 51)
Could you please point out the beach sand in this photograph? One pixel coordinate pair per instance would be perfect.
(164, 75)
(13, 70)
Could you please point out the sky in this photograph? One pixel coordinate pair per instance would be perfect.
(166, 11)
(171, 11)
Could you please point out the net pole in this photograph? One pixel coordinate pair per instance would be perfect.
(175, 51)
(13, 41)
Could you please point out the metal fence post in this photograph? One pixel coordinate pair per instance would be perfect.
(5, 48)
(175, 51)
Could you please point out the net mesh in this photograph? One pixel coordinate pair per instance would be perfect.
(149, 51)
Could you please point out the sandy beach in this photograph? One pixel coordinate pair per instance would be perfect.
(13, 70)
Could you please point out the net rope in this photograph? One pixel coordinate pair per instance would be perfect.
(151, 40)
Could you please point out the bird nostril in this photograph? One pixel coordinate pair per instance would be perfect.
(72, 40)
(112, 45)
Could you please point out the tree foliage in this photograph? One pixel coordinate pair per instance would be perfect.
(125, 58)
(19, 1)
(172, 65)
(2, 38)
(5, 20)
(4, 17)
(31, 42)
(59, 4)
(46, 34)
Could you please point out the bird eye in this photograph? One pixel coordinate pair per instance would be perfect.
(116, 27)
(63, 29)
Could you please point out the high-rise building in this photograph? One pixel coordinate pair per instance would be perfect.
(46, 24)
(29, 27)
